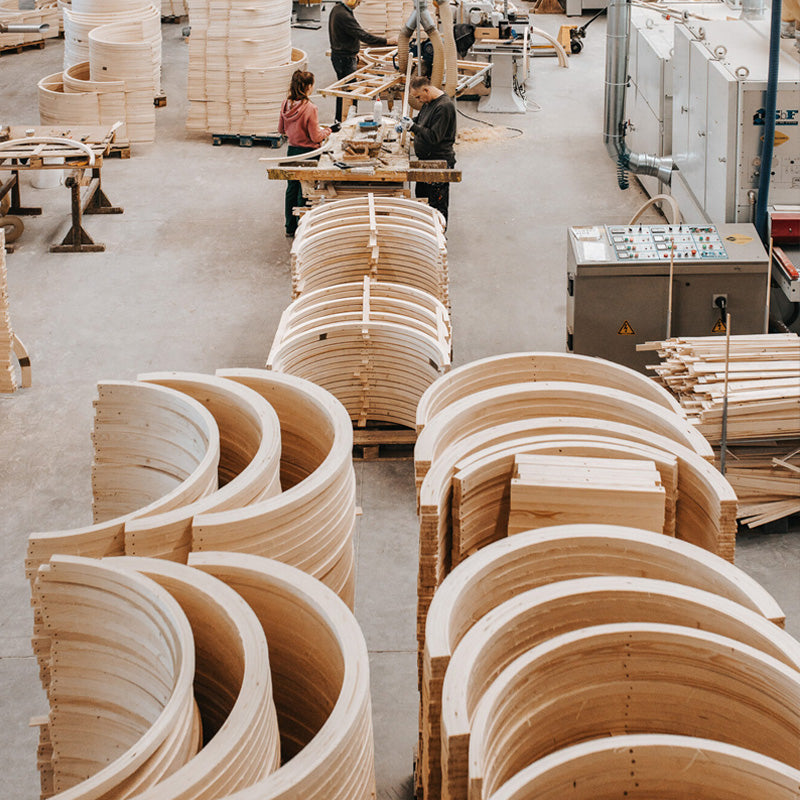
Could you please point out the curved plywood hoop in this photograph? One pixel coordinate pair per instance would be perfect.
(511, 368)
(517, 564)
(320, 671)
(511, 629)
(310, 524)
(232, 683)
(655, 767)
(632, 678)
(491, 407)
(121, 714)
(150, 416)
(249, 463)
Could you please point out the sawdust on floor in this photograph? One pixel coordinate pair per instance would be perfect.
(483, 134)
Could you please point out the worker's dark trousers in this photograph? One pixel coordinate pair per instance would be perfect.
(294, 192)
(437, 195)
(344, 65)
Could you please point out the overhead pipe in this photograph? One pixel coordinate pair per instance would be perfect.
(617, 35)
(450, 51)
(421, 16)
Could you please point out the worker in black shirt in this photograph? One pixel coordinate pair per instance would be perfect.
(434, 130)
(346, 36)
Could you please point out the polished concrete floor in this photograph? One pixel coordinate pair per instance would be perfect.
(194, 277)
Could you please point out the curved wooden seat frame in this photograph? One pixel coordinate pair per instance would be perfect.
(249, 463)
(632, 678)
(523, 562)
(511, 629)
(118, 675)
(233, 685)
(320, 673)
(653, 767)
(310, 524)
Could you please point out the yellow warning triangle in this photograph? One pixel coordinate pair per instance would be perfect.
(626, 329)
(719, 327)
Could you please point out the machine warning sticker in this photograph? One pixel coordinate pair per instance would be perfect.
(719, 327)
(738, 238)
(626, 329)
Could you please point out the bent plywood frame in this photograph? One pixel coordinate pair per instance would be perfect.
(249, 462)
(632, 678)
(513, 565)
(653, 767)
(512, 368)
(320, 671)
(233, 686)
(107, 538)
(310, 524)
(118, 676)
(529, 618)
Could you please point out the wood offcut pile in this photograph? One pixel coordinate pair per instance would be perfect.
(763, 412)
(562, 427)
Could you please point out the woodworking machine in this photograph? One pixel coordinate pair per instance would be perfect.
(618, 285)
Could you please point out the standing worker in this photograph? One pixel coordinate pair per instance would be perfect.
(434, 130)
(299, 121)
(346, 35)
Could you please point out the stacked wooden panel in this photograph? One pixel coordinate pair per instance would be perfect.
(375, 346)
(8, 375)
(240, 64)
(530, 595)
(173, 8)
(116, 657)
(763, 412)
(384, 17)
(387, 238)
(11, 13)
(560, 490)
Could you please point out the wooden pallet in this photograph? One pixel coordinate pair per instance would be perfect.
(174, 19)
(244, 140)
(18, 48)
(382, 442)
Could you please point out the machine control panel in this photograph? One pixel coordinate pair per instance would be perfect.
(655, 242)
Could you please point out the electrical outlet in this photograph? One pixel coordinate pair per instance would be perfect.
(719, 301)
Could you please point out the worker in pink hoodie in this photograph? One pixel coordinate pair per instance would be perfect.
(299, 122)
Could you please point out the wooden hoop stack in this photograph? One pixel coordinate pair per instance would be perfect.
(375, 346)
(383, 17)
(121, 715)
(515, 595)
(387, 238)
(240, 64)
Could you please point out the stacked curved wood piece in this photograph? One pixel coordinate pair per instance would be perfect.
(233, 677)
(556, 658)
(383, 17)
(112, 68)
(241, 62)
(763, 412)
(8, 375)
(11, 13)
(370, 321)
(247, 461)
(173, 8)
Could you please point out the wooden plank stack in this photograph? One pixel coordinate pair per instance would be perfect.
(384, 17)
(11, 13)
(763, 412)
(8, 375)
(559, 490)
(240, 64)
(509, 613)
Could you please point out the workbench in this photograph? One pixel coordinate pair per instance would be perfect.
(387, 172)
(84, 174)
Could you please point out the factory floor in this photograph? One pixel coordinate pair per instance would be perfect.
(195, 276)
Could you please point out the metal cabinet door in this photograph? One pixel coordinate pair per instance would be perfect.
(720, 199)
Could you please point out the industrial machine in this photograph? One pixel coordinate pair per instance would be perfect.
(619, 292)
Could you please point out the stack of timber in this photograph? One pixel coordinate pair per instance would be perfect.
(53, 5)
(8, 375)
(522, 605)
(375, 346)
(122, 715)
(248, 461)
(11, 13)
(390, 239)
(240, 64)
(384, 17)
(559, 490)
(763, 412)
(112, 69)
(172, 9)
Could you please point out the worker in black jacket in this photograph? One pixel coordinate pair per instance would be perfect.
(346, 36)
(434, 130)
